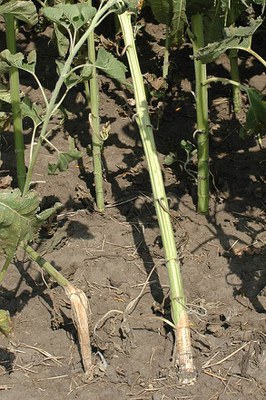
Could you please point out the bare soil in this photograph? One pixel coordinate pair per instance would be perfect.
(117, 256)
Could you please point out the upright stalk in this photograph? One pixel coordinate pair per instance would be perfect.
(234, 70)
(65, 71)
(97, 142)
(178, 302)
(15, 102)
(166, 52)
(201, 92)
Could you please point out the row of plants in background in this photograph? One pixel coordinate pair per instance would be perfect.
(212, 29)
(74, 26)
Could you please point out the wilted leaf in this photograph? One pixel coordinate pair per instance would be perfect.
(22, 10)
(61, 39)
(110, 65)
(17, 219)
(6, 325)
(64, 159)
(31, 110)
(44, 215)
(13, 60)
(256, 115)
(71, 79)
(235, 38)
(5, 94)
(170, 158)
(31, 62)
(17, 60)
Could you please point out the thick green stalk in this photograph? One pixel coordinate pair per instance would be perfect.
(65, 71)
(15, 102)
(201, 92)
(97, 142)
(233, 57)
(178, 301)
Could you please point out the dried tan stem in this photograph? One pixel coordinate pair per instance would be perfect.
(81, 317)
(184, 357)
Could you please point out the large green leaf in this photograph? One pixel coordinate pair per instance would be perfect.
(17, 219)
(235, 38)
(110, 65)
(17, 60)
(22, 10)
(256, 115)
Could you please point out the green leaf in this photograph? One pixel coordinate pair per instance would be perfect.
(5, 94)
(22, 10)
(162, 10)
(256, 115)
(18, 60)
(17, 219)
(11, 60)
(76, 15)
(6, 325)
(178, 20)
(31, 62)
(170, 158)
(235, 38)
(71, 79)
(44, 215)
(64, 159)
(31, 110)
(110, 65)
(85, 72)
(62, 40)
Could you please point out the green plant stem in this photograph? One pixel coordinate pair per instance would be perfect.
(97, 142)
(234, 70)
(222, 80)
(202, 115)
(15, 102)
(233, 57)
(65, 71)
(46, 266)
(178, 301)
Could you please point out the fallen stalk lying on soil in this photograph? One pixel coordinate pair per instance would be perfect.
(79, 307)
(183, 352)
